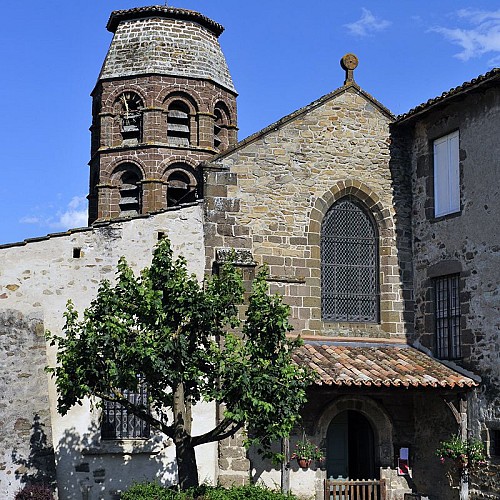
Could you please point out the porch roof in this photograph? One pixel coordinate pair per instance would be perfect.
(377, 363)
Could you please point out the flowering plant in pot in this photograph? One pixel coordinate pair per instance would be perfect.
(305, 452)
(466, 454)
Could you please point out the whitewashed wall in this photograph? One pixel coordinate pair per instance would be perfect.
(36, 280)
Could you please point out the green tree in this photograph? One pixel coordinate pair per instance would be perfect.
(184, 341)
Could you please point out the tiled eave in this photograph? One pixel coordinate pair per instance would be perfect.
(490, 79)
(117, 16)
(377, 364)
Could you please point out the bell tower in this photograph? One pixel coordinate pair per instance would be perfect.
(164, 101)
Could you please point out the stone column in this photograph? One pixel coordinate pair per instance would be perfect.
(154, 126)
(108, 196)
(206, 130)
(152, 199)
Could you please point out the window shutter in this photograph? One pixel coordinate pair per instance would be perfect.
(446, 175)
(454, 173)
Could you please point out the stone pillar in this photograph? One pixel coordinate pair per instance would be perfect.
(152, 200)
(206, 130)
(107, 196)
(154, 126)
(232, 135)
(106, 129)
(234, 466)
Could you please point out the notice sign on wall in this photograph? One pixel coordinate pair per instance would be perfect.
(403, 462)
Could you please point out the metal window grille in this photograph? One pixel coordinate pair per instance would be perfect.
(118, 423)
(349, 264)
(447, 312)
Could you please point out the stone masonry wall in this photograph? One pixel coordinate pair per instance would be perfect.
(270, 194)
(166, 46)
(153, 155)
(36, 280)
(466, 243)
(162, 55)
(26, 451)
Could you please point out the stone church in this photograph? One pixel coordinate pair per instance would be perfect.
(380, 232)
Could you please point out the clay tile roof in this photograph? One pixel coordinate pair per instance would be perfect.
(377, 364)
(117, 16)
(490, 78)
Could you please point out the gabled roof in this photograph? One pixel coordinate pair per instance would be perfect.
(356, 362)
(295, 114)
(487, 80)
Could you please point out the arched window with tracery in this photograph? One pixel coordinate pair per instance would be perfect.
(130, 190)
(181, 185)
(178, 124)
(349, 263)
(131, 117)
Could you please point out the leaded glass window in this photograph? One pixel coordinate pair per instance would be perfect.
(447, 310)
(119, 423)
(349, 263)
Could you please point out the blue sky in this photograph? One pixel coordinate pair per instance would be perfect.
(282, 55)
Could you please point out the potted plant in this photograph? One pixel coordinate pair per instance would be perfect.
(466, 454)
(305, 452)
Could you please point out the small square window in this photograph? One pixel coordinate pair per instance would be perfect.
(447, 316)
(446, 175)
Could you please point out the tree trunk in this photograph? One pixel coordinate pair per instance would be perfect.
(285, 466)
(184, 449)
(186, 465)
(464, 484)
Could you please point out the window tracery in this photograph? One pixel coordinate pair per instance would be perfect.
(349, 263)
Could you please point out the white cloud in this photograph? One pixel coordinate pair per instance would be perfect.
(367, 25)
(479, 36)
(74, 215)
(30, 219)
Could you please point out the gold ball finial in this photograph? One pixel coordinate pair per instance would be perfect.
(349, 63)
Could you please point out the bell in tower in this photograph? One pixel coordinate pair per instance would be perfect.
(163, 103)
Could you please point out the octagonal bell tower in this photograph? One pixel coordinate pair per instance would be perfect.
(164, 101)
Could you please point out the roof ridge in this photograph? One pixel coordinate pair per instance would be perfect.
(164, 11)
(294, 114)
(454, 91)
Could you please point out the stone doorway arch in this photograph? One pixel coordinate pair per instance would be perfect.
(369, 418)
(350, 447)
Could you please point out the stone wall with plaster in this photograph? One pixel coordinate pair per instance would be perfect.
(37, 278)
(26, 449)
(465, 243)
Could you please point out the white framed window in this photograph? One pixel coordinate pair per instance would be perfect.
(446, 175)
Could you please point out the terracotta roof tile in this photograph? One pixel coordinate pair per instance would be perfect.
(371, 364)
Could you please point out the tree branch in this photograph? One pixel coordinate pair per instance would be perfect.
(224, 429)
(137, 411)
